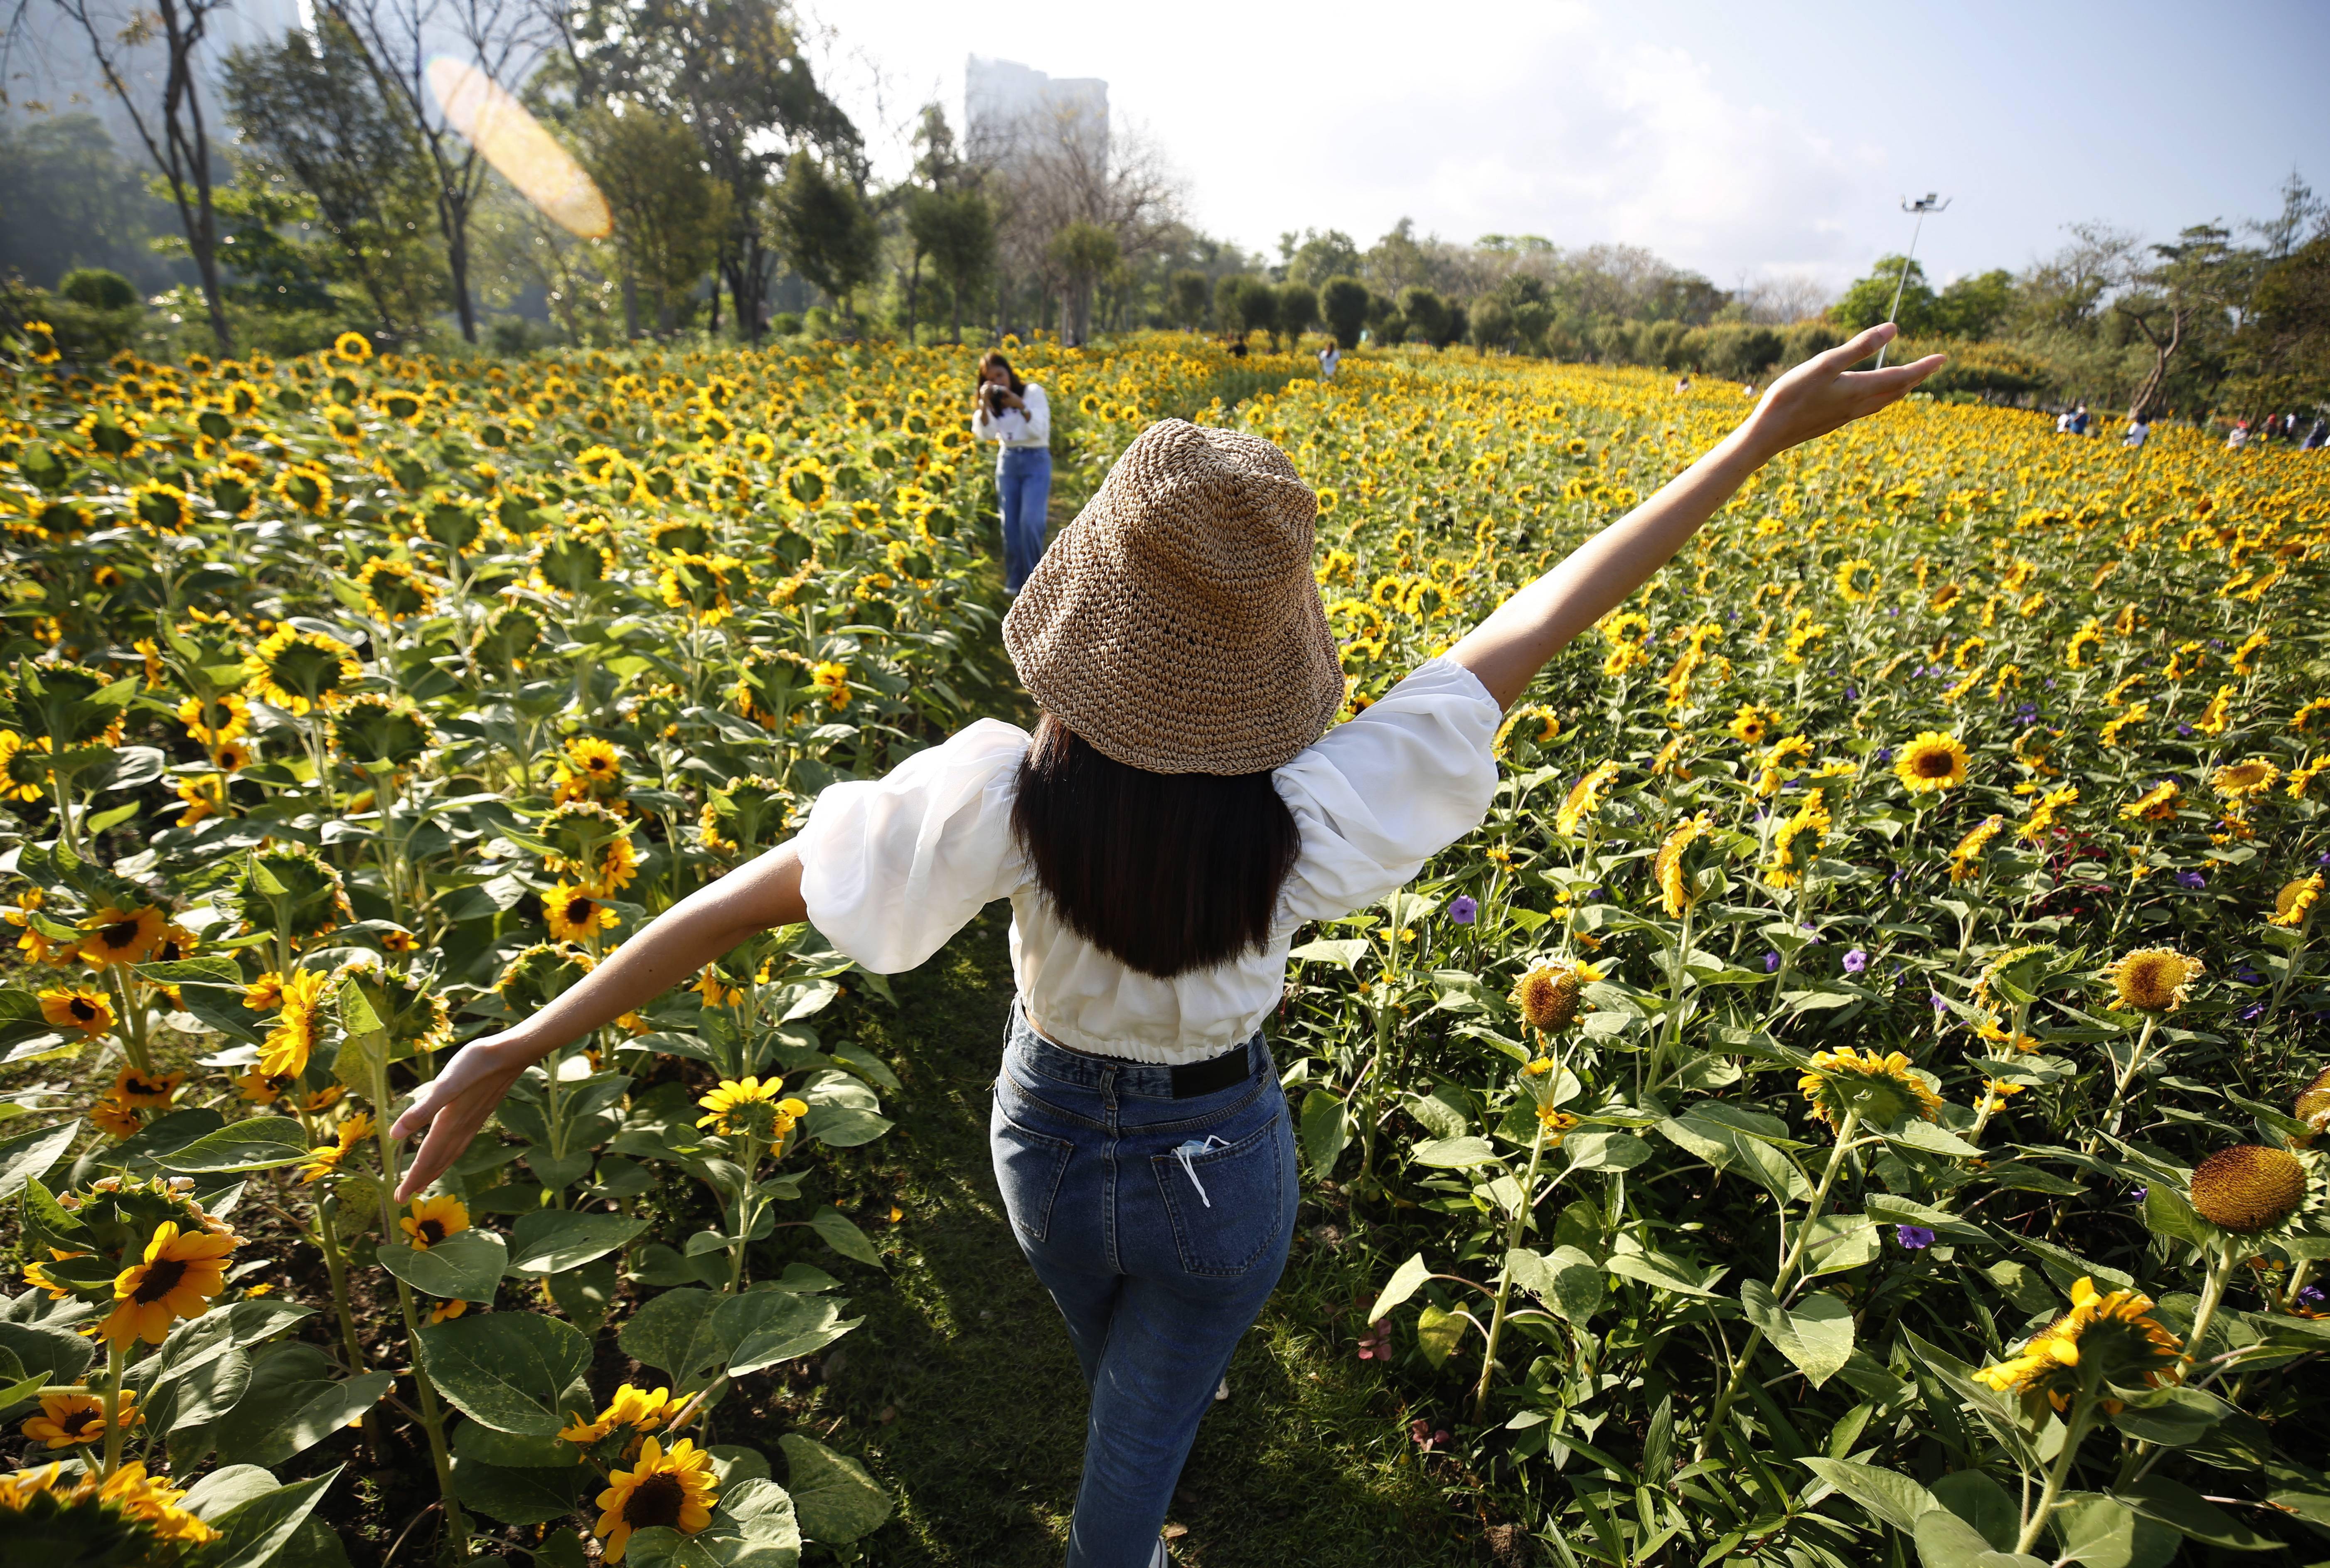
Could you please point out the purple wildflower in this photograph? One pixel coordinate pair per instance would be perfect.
(1939, 1005)
(2193, 880)
(1855, 961)
(1884, 755)
(1771, 962)
(1463, 909)
(1915, 1238)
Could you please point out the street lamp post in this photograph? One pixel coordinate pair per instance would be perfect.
(1928, 203)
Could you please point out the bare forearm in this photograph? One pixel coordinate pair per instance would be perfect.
(1507, 650)
(672, 947)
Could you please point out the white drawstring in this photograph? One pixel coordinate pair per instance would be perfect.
(1183, 1154)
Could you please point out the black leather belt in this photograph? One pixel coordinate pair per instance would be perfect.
(1215, 1074)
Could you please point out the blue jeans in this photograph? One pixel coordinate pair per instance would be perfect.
(1023, 487)
(1159, 1226)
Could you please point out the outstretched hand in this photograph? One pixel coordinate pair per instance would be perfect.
(1822, 393)
(454, 1104)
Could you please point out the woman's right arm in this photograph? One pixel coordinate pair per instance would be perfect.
(1507, 650)
(761, 896)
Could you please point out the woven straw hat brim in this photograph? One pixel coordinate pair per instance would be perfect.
(1175, 624)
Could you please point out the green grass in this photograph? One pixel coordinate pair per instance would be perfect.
(1308, 1462)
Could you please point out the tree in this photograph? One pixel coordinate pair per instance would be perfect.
(956, 229)
(1244, 303)
(2188, 280)
(734, 70)
(1297, 308)
(670, 215)
(503, 39)
(1317, 257)
(1492, 323)
(1083, 252)
(1343, 301)
(1974, 307)
(1426, 315)
(170, 122)
(68, 200)
(311, 115)
(823, 227)
(1868, 301)
(1186, 296)
(2281, 354)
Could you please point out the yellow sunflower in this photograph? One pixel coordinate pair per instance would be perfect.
(750, 1108)
(2249, 1187)
(1931, 763)
(176, 1278)
(2293, 906)
(347, 1138)
(354, 347)
(299, 1026)
(77, 1007)
(2151, 980)
(2240, 780)
(119, 936)
(2113, 1336)
(77, 1420)
(1753, 725)
(1584, 799)
(1880, 1090)
(640, 1409)
(146, 1090)
(434, 1219)
(574, 915)
(675, 1489)
(1667, 869)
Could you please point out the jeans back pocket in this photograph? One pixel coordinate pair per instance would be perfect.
(1029, 1167)
(1227, 1204)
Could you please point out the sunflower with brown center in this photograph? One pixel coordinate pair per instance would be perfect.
(2249, 1187)
(674, 1490)
(1931, 763)
(77, 1420)
(77, 1007)
(2293, 906)
(1549, 997)
(2109, 1338)
(175, 1278)
(119, 936)
(434, 1219)
(2151, 981)
(2240, 780)
(574, 915)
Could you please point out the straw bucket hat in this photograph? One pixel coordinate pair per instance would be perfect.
(1175, 624)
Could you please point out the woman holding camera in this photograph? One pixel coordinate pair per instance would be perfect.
(1016, 415)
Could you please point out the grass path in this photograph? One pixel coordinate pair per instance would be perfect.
(1308, 1462)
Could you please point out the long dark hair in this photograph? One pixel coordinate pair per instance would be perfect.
(994, 357)
(1165, 871)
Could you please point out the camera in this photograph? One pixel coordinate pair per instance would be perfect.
(994, 400)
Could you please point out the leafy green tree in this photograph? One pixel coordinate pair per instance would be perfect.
(313, 120)
(2281, 354)
(1186, 294)
(170, 122)
(823, 227)
(1426, 315)
(670, 214)
(1974, 306)
(956, 229)
(1866, 302)
(1492, 323)
(1297, 308)
(1343, 301)
(1082, 253)
(1316, 257)
(2190, 284)
(68, 200)
(1244, 303)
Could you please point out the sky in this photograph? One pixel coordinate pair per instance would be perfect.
(1742, 141)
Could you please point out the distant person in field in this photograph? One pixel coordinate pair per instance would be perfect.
(2063, 423)
(1015, 415)
(2138, 431)
(1181, 812)
(1682, 383)
(2239, 436)
(1329, 358)
(2315, 437)
(2079, 421)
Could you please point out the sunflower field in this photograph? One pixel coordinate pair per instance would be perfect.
(1851, 1102)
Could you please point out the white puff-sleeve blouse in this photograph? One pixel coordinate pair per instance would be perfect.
(893, 866)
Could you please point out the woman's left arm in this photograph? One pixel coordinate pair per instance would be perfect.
(1507, 650)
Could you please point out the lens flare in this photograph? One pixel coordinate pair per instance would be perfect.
(514, 143)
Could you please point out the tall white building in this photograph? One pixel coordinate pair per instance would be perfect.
(1005, 103)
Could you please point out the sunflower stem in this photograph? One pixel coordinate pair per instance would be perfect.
(2110, 1121)
(2083, 1406)
(116, 1360)
(1505, 1285)
(2213, 1296)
